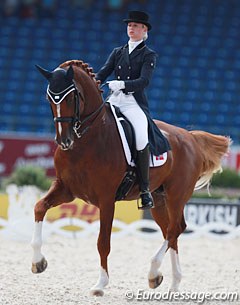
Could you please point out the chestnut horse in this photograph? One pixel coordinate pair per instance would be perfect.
(90, 164)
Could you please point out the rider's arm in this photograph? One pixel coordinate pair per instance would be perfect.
(107, 68)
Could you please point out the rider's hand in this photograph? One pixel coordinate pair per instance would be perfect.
(116, 85)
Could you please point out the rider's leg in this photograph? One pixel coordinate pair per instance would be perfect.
(137, 117)
(143, 174)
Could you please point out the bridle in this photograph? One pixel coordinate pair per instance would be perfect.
(74, 120)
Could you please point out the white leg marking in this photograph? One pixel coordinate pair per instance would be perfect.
(36, 242)
(176, 270)
(157, 260)
(59, 115)
(101, 283)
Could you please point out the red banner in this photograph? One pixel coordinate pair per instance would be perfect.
(24, 151)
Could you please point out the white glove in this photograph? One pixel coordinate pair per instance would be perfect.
(116, 85)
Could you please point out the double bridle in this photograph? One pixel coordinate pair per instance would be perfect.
(74, 120)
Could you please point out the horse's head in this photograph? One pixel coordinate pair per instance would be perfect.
(64, 98)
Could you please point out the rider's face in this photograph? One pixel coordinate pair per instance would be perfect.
(136, 31)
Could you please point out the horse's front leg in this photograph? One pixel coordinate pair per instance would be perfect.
(55, 196)
(106, 218)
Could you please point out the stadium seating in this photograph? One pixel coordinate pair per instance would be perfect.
(195, 84)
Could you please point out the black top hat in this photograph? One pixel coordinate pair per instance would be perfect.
(138, 17)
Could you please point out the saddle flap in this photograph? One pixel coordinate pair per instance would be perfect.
(127, 136)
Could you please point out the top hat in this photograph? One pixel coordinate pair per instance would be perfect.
(138, 17)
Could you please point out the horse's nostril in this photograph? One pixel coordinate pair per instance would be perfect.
(63, 145)
(66, 144)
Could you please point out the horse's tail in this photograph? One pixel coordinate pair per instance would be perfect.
(213, 148)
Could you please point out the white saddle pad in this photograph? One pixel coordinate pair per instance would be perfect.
(154, 161)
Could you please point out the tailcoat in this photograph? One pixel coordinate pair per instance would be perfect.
(136, 69)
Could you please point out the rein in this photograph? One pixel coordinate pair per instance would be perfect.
(79, 123)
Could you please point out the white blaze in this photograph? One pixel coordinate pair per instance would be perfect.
(59, 115)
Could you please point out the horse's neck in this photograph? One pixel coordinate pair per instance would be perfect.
(92, 103)
(91, 95)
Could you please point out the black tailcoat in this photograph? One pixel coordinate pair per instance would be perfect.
(136, 70)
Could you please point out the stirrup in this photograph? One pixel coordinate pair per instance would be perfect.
(148, 204)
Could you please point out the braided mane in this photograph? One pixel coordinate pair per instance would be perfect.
(85, 67)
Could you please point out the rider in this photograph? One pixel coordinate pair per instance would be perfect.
(133, 65)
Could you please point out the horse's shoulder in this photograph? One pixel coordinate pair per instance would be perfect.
(109, 113)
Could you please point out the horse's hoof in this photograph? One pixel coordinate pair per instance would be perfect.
(97, 292)
(40, 266)
(154, 283)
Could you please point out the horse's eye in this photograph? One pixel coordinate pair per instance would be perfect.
(70, 99)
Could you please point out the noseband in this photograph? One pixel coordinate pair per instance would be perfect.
(75, 120)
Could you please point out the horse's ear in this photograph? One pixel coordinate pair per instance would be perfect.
(70, 73)
(47, 74)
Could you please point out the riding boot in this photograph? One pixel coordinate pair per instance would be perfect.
(143, 175)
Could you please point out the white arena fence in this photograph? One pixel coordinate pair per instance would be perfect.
(20, 223)
(23, 228)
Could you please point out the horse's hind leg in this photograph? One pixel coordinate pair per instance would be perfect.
(176, 226)
(176, 270)
(55, 196)
(160, 215)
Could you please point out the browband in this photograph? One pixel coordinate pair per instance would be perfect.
(57, 98)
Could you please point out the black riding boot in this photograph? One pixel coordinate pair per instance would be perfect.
(143, 175)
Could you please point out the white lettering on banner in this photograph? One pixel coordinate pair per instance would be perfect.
(1, 146)
(2, 168)
(37, 149)
(220, 213)
(202, 214)
(191, 213)
(41, 161)
(211, 214)
(231, 215)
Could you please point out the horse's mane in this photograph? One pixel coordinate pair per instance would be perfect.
(85, 67)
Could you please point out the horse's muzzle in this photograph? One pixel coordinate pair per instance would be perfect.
(65, 144)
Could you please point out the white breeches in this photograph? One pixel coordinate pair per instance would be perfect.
(132, 111)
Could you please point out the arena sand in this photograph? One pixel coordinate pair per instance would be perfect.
(208, 266)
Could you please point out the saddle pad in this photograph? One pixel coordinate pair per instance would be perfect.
(154, 161)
